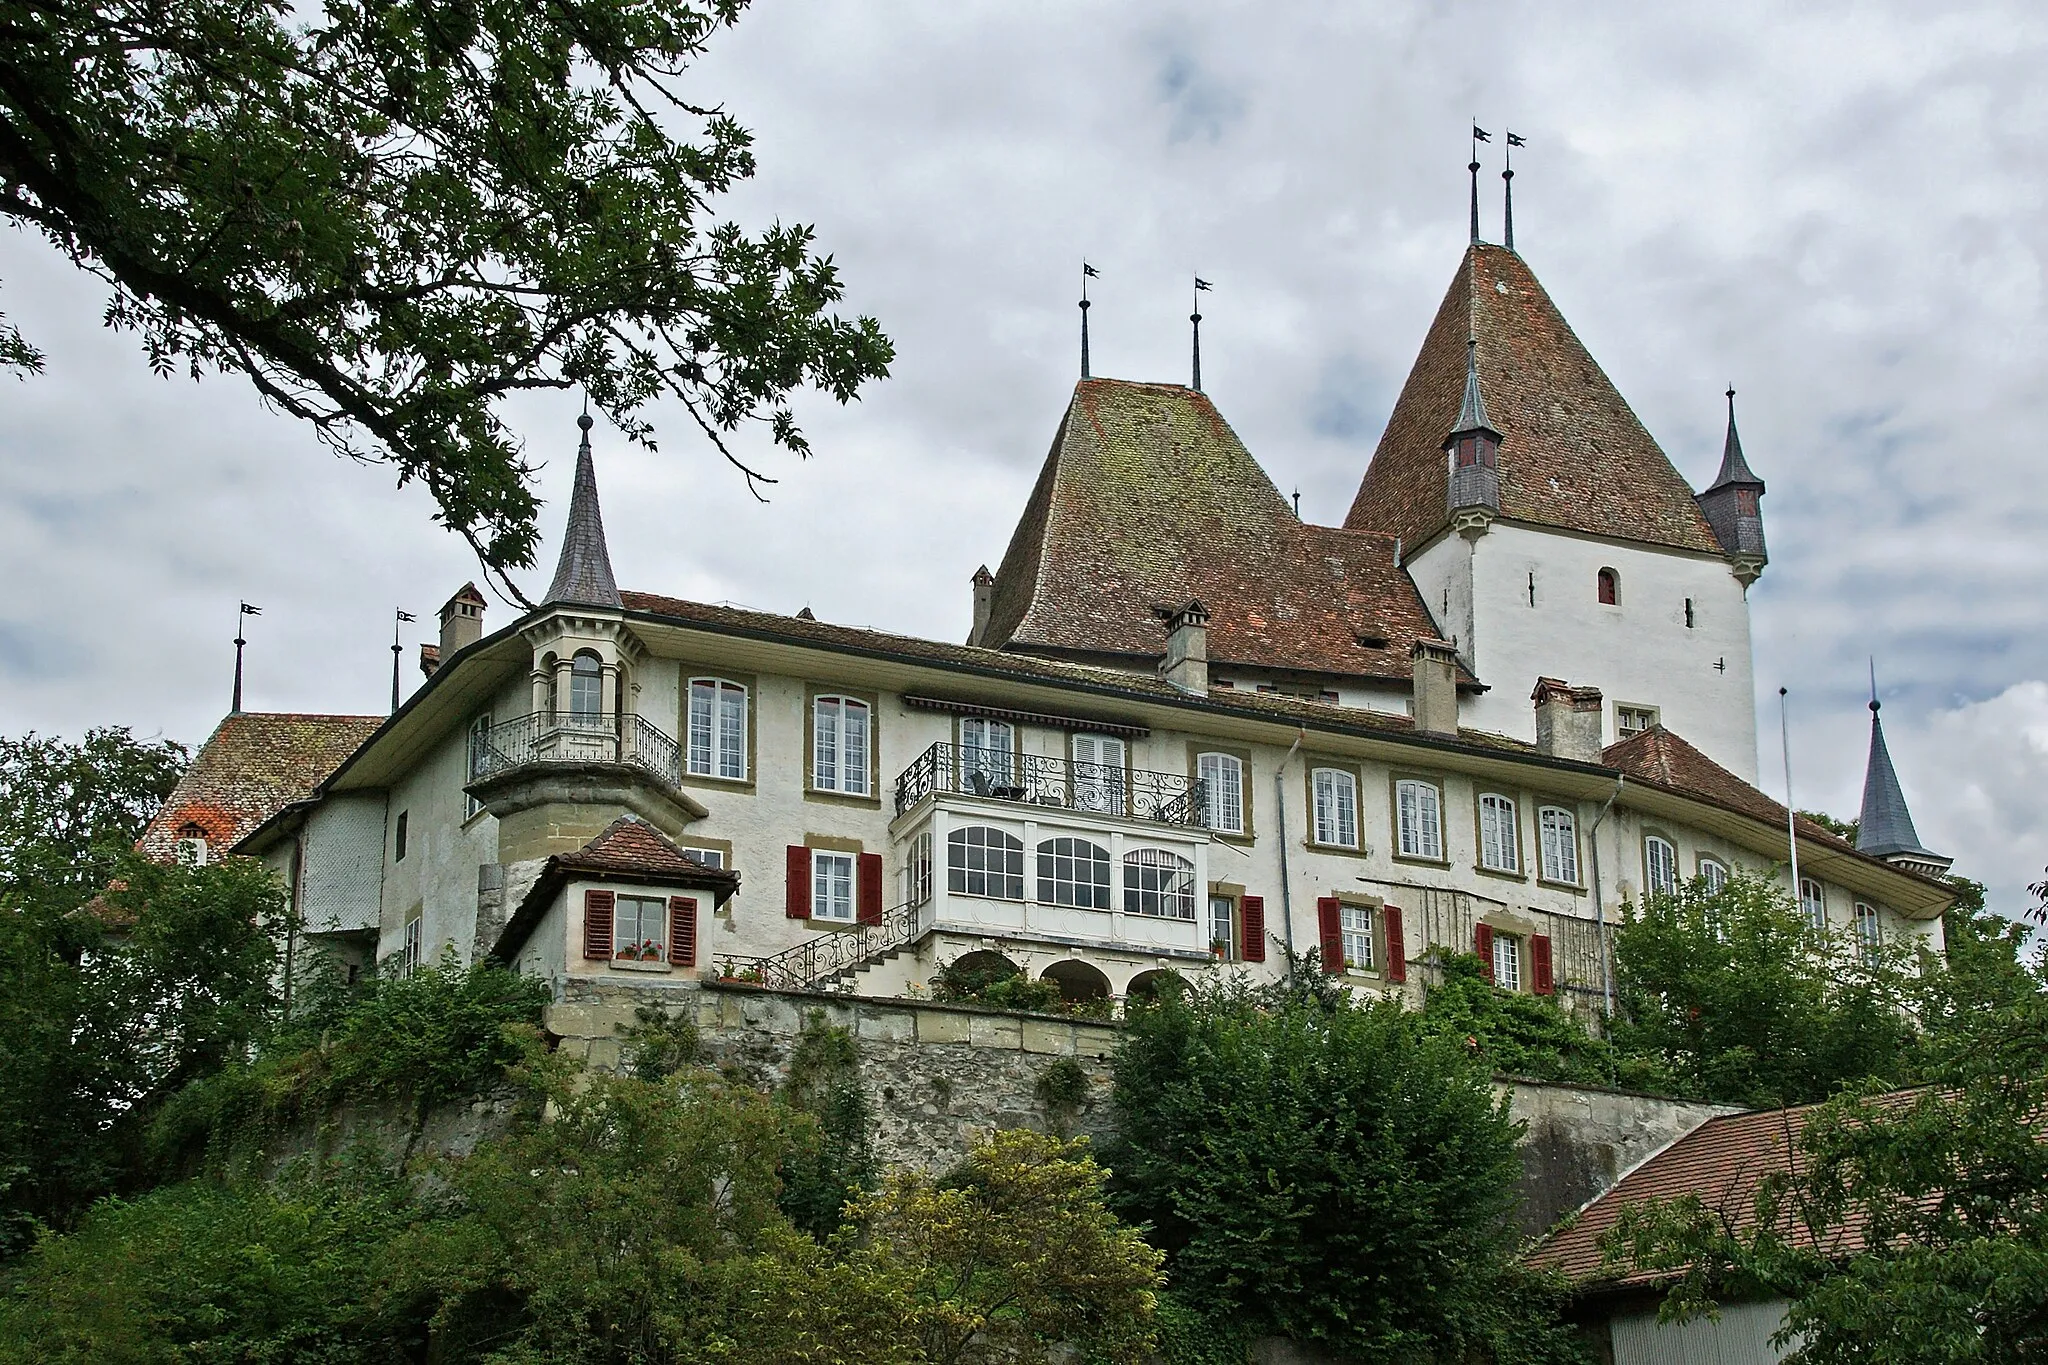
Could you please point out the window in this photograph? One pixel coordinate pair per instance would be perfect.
(718, 729)
(1074, 872)
(1222, 778)
(1507, 961)
(1813, 904)
(639, 928)
(1867, 932)
(1630, 721)
(1356, 921)
(917, 872)
(987, 749)
(1560, 832)
(1419, 812)
(1660, 866)
(1099, 773)
(1745, 502)
(192, 844)
(586, 689)
(839, 748)
(1609, 584)
(985, 862)
(1498, 849)
(1688, 614)
(704, 857)
(831, 885)
(1223, 928)
(479, 749)
(410, 948)
(1336, 793)
(1714, 873)
(1159, 883)
(398, 839)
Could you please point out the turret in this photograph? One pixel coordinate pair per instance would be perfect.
(1732, 506)
(1884, 829)
(583, 575)
(1473, 452)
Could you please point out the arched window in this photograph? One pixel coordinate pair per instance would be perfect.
(1610, 588)
(1813, 904)
(1157, 882)
(718, 729)
(1560, 845)
(1867, 930)
(1336, 795)
(586, 688)
(1660, 866)
(1498, 848)
(1222, 777)
(985, 862)
(839, 745)
(1714, 873)
(1073, 872)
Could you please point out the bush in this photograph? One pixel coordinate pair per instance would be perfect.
(997, 985)
(1528, 1036)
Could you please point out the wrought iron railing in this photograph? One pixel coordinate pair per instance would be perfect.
(566, 737)
(812, 964)
(1098, 788)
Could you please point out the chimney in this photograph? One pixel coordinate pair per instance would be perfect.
(984, 594)
(1186, 665)
(462, 623)
(430, 658)
(1567, 720)
(1436, 687)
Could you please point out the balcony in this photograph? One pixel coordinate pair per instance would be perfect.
(1101, 789)
(555, 778)
(566, 737)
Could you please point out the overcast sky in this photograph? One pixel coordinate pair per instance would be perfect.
(1837, 209)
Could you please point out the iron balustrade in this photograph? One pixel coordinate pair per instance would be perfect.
(812, 964)
(1062, 783)
(569, 737)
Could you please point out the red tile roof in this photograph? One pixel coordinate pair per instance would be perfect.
(253, 765)
(1662, 759)
(1574, 454)
(632, 847)
(1147, 500)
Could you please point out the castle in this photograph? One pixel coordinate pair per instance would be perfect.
(1188, 733)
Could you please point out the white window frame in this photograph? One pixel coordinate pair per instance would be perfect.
(1814, 907)
(917, 870)
(1059, 880)
(703, 857)
(638, 908)
(1336, 807)
(832, 882)
(842, 744)
(1355, 921)
(191, 850)
(1162, 879)
(1098, 766)
(1000, 855)
(1223, 915)
(478, 729)
(987, 746)
(1559, 834)
(1649, 715)
(411, 945)
(1714, 873)
(715, 738)
(1500, 848)
(1507, 961)
(1660, 873)
(1419, 819)
(1222, 779)
(1869, 929)
(581, 680)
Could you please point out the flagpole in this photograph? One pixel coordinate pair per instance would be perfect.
(1791, 820)
(396, 650)
(239, 642)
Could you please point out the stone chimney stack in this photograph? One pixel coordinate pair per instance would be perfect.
(984, 595)
(1186, 665)
(1436, 687)
(1567, 720)
(462, 622)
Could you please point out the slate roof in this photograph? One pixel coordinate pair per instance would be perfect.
(253, 765)
(1734, 469)
(1148, 499)
(1885, 826)
(1662, 759)
(583, 575)
(1573, 454)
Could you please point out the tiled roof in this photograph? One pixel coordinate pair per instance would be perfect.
(1573, 454)
(254, 765)
(633, 847)
(1662, 759)
(1147, 500)
(1723, 1161)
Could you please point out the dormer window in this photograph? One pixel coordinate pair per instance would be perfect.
(191, 849)
(1609, 585)
(1745, 502)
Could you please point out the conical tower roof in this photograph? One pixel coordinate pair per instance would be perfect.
(583, 575)
(1734, 469)
(1573, 454)
(1472, 411)
(1885, 826)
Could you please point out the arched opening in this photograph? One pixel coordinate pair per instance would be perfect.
(1156, 984)
(586, 688)
(972, 973)
(1078, 981)
(1610, 588)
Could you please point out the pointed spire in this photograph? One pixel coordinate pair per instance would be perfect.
(1734, 469)
(1472, 413)
(1885, 827)
(583, 575)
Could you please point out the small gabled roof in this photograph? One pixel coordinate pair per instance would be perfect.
(1885, 826)
(629, 850)
(583, 575)
(1147, 500)
(253, 765)
(1573, 454)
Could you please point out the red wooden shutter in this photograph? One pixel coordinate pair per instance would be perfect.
(1397, 945)
(799, 882)
(1330, 920)
(867, 906)
(597, 925)
(1251, 914)
(682, 931)
(1539, 964)
(1482, 944)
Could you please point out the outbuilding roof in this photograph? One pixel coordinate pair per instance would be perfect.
(253, 765)
(629, 849)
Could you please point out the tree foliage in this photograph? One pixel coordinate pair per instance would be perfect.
(1527, 1036)
(69, 812)
(1322, 1168)
(391, 216)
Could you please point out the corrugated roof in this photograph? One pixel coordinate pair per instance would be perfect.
(1573, 454)
(253, 765)
(1148, 500)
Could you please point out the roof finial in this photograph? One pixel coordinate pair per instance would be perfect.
(1873, 685)
(583, 575)
(1088, 272)
(1479, 135)
(1507, 178)
(1196, 318)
